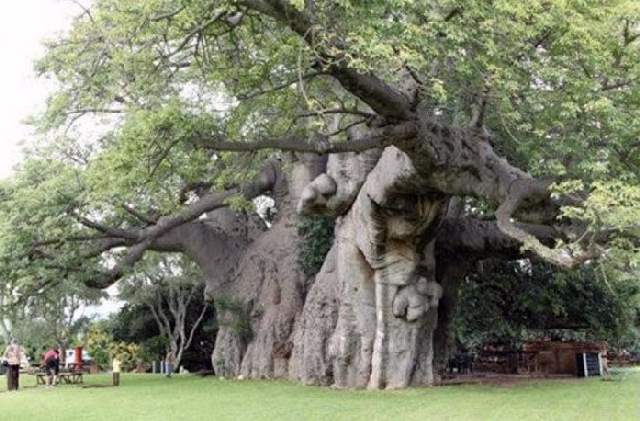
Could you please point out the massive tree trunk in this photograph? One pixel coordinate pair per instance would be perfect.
(372, 317)
(267, 289)
(252, 275)
(385, 294)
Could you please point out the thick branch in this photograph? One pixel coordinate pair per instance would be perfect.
(520, 192)
(375, 138)
(481, 239)
(139, 216)
(111, 231)
(146, 237)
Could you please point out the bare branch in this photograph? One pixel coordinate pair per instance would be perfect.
(73, 238)
(336, 111)
(166, 15)
(308, 76)
(196, 31)
(111, 231)
(187, 344)
(95, 111)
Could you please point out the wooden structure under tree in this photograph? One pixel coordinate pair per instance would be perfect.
(576, 358)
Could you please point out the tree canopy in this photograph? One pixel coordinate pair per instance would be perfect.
(582, 304)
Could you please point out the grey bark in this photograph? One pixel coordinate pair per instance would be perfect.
(371, 316)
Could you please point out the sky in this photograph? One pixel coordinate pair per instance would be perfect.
(24, 24)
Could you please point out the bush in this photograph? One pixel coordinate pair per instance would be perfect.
(154, 348)
(98, 343)
(129, 354)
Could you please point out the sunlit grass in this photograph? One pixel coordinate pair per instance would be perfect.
(150, 397)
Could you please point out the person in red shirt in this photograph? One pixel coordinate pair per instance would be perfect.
(51, 360)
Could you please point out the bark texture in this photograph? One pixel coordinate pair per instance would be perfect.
(386, 294)
(377, 313)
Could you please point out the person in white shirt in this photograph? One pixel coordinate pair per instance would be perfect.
(13, 357)
(116, 371)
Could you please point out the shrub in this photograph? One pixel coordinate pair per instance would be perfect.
(98, 343)
(129, 354)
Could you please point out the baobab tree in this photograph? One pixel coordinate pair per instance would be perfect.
(436, 133)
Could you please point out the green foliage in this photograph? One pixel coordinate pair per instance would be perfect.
(560, 80)
(317, 239)
(133, 323)
(129, 354)
(99, 344)
(155, 348)
(234, 314)
(511, 302)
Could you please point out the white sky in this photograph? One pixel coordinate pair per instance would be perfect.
(23, 26)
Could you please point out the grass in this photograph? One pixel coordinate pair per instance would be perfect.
(150, 397)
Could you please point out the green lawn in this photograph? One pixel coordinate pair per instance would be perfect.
(148, 397)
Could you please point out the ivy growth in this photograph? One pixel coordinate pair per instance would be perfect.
(234, 314)
(317, 235)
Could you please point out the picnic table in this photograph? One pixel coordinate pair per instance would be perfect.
(71, 377)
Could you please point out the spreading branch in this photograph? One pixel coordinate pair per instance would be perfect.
(145, 238)
(383, 98)
(521, 192)
(320, 144)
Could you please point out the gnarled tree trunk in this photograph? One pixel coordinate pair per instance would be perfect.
(371, 316)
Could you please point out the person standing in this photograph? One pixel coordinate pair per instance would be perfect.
(116, 371)
(13, 355)
(169, 364)
(52, 366)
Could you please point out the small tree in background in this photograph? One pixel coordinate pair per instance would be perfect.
(168, 286)
(43, 320)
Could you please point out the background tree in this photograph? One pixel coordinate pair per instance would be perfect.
(580, 305)
(134, 324)
(98, 343)
(55, 317)
(169, 291)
